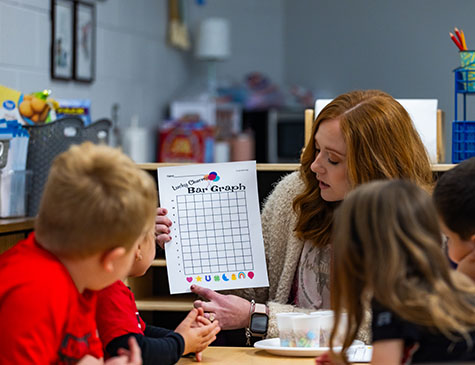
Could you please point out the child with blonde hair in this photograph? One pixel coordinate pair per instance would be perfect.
(387, 253)
(96, 208)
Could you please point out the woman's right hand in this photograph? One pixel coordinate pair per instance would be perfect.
(162, 227)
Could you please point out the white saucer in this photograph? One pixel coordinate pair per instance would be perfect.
(272, 345)
(358, 352)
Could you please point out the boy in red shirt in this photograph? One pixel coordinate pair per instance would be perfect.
(118, 319)
(94, 210)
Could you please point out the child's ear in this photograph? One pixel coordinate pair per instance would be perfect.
(138, 253)
(111, 257)
(472, 239)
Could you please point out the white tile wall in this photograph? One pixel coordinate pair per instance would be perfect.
(135, 67)
(19, 44)
(133, 63)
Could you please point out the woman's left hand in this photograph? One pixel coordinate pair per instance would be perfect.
(162, 227)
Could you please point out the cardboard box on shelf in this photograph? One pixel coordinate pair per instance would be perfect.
(27, 109)
(186, 141)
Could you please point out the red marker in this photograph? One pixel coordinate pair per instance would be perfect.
(456, 41)
(459, 36)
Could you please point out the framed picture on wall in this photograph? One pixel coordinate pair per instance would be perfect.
(84, 41)
(62, 30)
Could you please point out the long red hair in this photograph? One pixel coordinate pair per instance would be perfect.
(382, 143)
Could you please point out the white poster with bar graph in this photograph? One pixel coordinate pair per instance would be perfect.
(216, 226)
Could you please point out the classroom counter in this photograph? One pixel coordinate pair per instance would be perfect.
(245, 356)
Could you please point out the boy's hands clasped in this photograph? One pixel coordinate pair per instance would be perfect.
(197, 331)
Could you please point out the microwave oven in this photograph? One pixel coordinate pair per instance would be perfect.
(285, 135)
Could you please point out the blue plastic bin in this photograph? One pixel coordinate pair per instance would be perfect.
(463, 140)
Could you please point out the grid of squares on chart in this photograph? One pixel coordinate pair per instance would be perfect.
(214, 231)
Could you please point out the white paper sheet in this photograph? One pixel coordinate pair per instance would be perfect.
(216, 231)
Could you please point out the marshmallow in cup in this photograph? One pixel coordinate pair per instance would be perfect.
(286, 328)
(307, 330)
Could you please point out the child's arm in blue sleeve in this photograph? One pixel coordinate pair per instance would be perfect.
(156, 332)
(165, 350)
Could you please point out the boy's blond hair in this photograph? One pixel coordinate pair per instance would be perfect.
(95, 199)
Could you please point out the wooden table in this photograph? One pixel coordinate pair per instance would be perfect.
(245, 356)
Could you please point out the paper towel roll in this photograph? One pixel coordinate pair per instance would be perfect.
(138, 143)
(222, 151)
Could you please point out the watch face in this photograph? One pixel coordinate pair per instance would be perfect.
(259, 323)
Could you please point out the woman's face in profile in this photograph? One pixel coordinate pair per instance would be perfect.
(330, 164)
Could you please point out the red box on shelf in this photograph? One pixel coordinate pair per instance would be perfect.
(186, 141)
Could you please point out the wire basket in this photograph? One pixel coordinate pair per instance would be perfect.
(49, 140)
(465, 74)
(465, 80)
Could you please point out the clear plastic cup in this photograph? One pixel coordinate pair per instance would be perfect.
(286, 329)
(307, 330)
(326, 327)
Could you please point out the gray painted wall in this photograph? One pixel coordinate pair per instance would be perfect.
(257, 36)
(399, 46)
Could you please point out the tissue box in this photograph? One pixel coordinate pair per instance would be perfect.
(13, 192)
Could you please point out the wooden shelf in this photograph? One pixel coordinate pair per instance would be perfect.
(172, 303)
(159, 263)
(8, 225)
(151, 166)
(13, 230)
(441, 167)
(277, 166)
